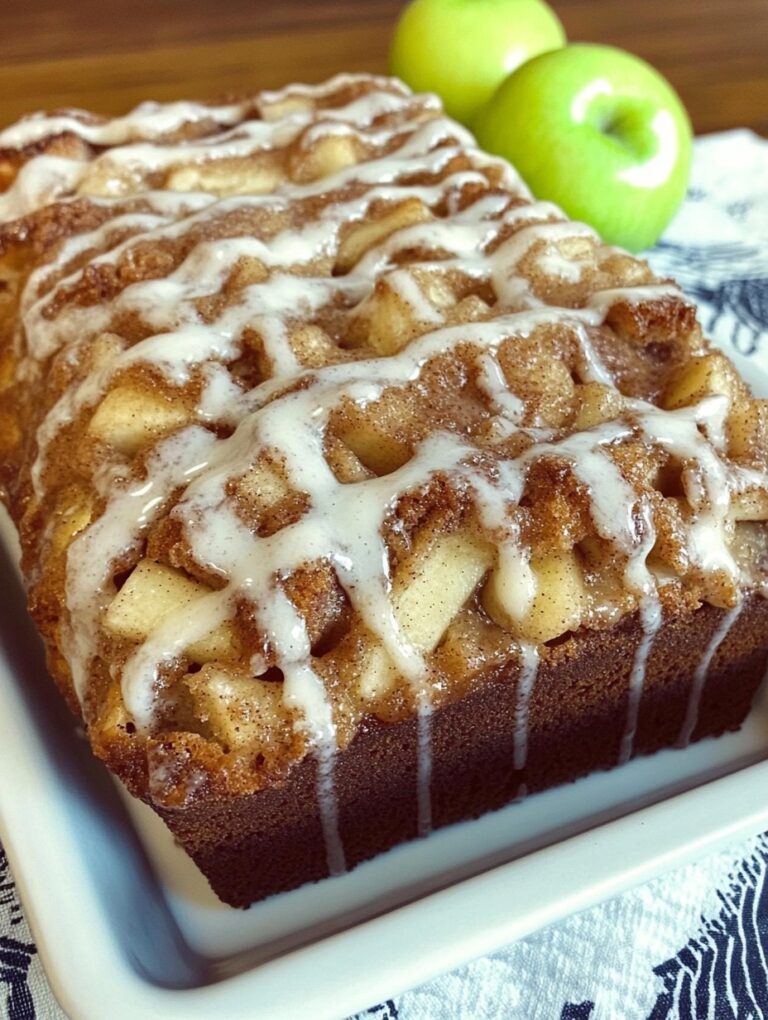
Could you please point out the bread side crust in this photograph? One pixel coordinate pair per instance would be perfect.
(264, 843)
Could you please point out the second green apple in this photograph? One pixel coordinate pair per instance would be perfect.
(599, 132)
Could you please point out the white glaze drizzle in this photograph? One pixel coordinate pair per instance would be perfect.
(131, 509)
(702, 671)
(493, 383)
(149, 120)
(424, 767)
(344, 523)
(650, 622)
(529, 667)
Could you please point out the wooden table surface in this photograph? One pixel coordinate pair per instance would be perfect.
(109, 54)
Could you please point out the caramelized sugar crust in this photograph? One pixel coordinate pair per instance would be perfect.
(310, 416)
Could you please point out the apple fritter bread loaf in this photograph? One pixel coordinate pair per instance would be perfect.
(358, 492)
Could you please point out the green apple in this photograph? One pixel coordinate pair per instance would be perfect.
(599, 132)
(464, 49)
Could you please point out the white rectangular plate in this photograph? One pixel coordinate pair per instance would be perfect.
(121, 916)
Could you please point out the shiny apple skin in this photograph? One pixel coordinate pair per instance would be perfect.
(598, 131)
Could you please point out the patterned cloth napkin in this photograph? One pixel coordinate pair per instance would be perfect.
(694, 943)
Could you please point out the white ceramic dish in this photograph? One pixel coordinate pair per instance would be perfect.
(124, 923)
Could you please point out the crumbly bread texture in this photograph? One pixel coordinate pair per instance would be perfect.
(358, 492)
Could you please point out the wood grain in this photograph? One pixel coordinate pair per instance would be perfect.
(109, 55)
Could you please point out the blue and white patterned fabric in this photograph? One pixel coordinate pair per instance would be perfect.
(24, 993)
(692, 944)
